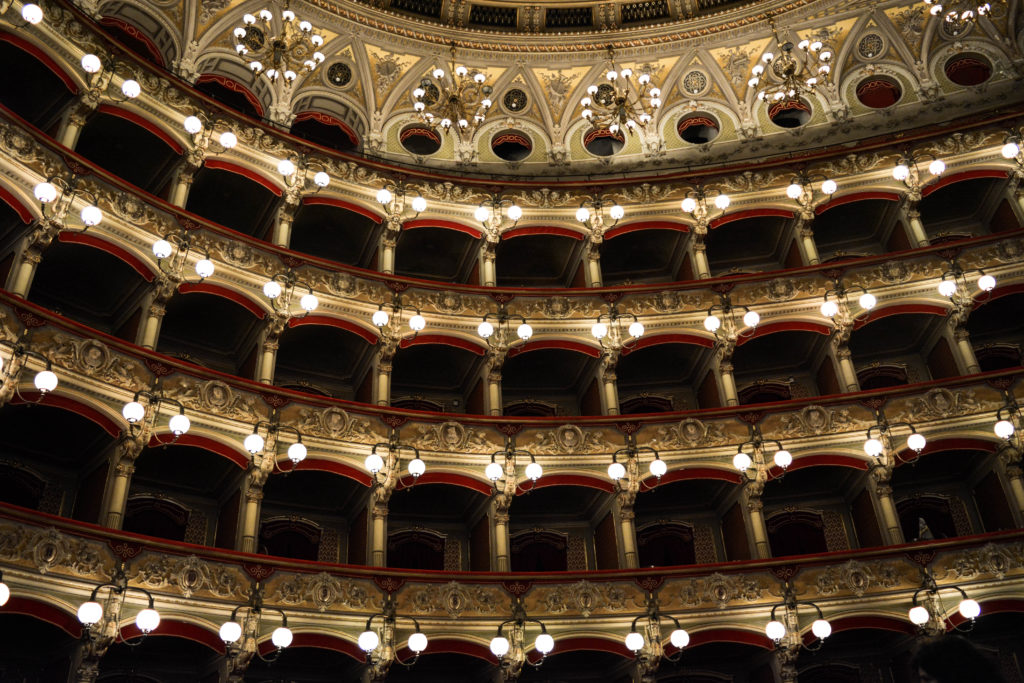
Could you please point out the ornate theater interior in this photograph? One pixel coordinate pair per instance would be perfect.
(445, 340)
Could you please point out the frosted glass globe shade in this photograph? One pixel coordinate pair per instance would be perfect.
(368, 641)
(689, 205)
(751, 318)
(679, 638)
(193, 124)
(285, 167)
(599, 330)
(821, 628)
(829, 309)
(485, 329)
(722, 201)
(867, 301)
(794, 190)
(783, 458)
(937, 167)
(91, 215)
(131, 89)
(253, 443)
(417, 467)
(873, 447)
(986, 283)
(281, 637)
(544, 643)
(133, 411)
(947, 288)
(636, 329)
(634, 641)
(179, 424)
(45, 192)
(712, 323)
(309, 302)
(373, 463)
(417, 642)
(918, 615)
(297, 452)
(658, 468)
(1004, 429)
(91, 64)
(1010, 150)
(162, 249)
(775, 630)
(5, 593)
(228, 140)
(583, 214)
(417, 323)
(272, 289)
(969, 609)
(380, 318)
(321, 179)
(900, 172)
(147, 620)
(46, 381)
(90, 613)
(616, 471)
(204, 268)
(829, 186)
(499, 646)
(230, 631)
(916, 442)
(534, 471)
(493, 471)
(31, 13)
(741, 461)
(419, 205)
(514, 212)
(524, 331)
(482, 213)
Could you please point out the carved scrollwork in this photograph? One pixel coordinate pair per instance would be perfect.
(334, 423)
(690, 433)
(583, 597)
(940, 403)
(190, 575)
(452, 436)
(857, 577)
(216, 397)
(94, 358)
(815, 420)
(322, 590)
(722, 589)
(571, 439)
(455, 599)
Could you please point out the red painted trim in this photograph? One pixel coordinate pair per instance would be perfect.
(328, 321)
(695, 473)
(323, 641)
(448, 478)
(960, 177)
(23, 213)
(328, 120)
(137, 34)
(588, 644)
(142, 122)
(953, 444)
(541, 230)
(57, 400)
(334, 467)
(855, 197)
(118, 251)
(645, 225)
(233, 86)
(824, 461)
(460, 647)
(750, 213)
(555, 344)
(171, 628)
(19, 604)
(669, 338)
(982, 298)
(586, 481)
(786, 326)
(457, 342)
(222, 165)
(230, 294)
(342, 204)
(446, 225)
(899, 309)
(47, 61)
(878, 623)
(729, 635)
(200, 441)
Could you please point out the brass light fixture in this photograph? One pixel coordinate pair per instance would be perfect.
(294, 50)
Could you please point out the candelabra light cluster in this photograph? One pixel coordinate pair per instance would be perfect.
(789, 74)
(91, 612)
(616, 470)
(31, 13)
(927, 611)
(281, 290)
(837, 299)
(648, 635)
(958, 12)
(172, 253)
(724, 314)
(458, 98)
(621, 103)
(744, 460)
(374, 463)
(499, 333)
(879, 439)
(496, 470)
(388, 316)
(195, 124)
(97, 67)
(134, 412)
(56, 196)
(788, 636)
(254, 443)
(615, 330)
(278, 55)
(232, 630)
(954, 284)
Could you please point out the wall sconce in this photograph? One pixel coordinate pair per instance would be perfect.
(495, 470)
(954, 286)
(45, 380)
(172, 252)
(91, 612)
(511, 651)
(880, 437)
(696, 204)
(280, 289)
(31, 13)
(499, 334)
(375, 464)
(723, 315)
(387, 318)
(101, 70)
(1011, 149)
(616, 471)
(199, 123)
(494, 214)
(786, 635)
(609, 332)
(140, 421)
(379, 644)
(801, 189)
(254, 443)
(56, 195)
(294, 168)
(906, 169)
(837, 301)
(394, 197)
(929, 615)
(593, 217)
(1008, 417)
(743, 460)
(231, 631)
(645, 642)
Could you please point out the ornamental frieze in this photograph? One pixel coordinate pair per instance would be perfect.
(585, 598)
(940, 403)
(455, 599)
(721, 590)
(452, 436)
(857, 578)
(190, 576)
(94, 358)
(689, 433)
(335, 423)
(814, 420)
(570, 439)
(989, 560)
(50, 550)
(323, 591)
(215, 397)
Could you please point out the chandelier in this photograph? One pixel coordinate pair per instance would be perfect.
(790, 74)
(621, 104)
(456, 98)
(280, 55)
(957, 12)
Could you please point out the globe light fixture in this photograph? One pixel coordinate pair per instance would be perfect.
(252, 614)
(777, 632)
(625, 101)
(91, 613)
(255, 443)
(278, 55)
(502, 645)
(134, 413)
(285, 289)
(616, 330)
(959, 14)
(790, 74)
(58, 195)
(458, 99)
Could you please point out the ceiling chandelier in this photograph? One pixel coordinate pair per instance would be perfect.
(789, 74)
(281, 55)
(957, 12)
(456, 98)
(620, 103)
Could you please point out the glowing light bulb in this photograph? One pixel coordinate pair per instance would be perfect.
(380, 318)
(986, 283)
(374, 463)
(253, 443)
(867, 301)
(821, 628)
(133, 412)
(230, 631)
(918, 615)
(297, 452)
(741, 461)
(616, 471)
(873, 447)
(829, 309)
(658, 468)
(783, 458)
(493, 471)
(634, 641)
(485, 329)
(1004, 429)
(947, 288)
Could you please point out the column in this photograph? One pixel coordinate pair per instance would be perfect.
(843, 360)
(388, 242)
(727, 383)
(492, 376)
(268, 348)
(1012, 476)
(488, 267)
(592, 257)
(382, 370)
(754, 509)
(122, 461)
(378, 530)
(699, 254)
(913, 225)
(808, 247)
(71, 126)
(253, 499)
(502, 549)
(881, 493)
(31, 254)
(960, 342)
(627, 530)
(182, 184)
(283, 225)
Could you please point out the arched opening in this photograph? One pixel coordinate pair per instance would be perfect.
(324, 129)
(965, 209)
(780, 365)
(665, 545)
(434, 253)
(33, 650)
(552, 529)
(868, 226)
(749, 245)
(211, 331)
(806, 511)
(128, 150)
(650, 255)
(908, 341)
(447, 375)
(337, 234)
(681, 520)
(326, 360)
(231, 94)
(233, 200)
(438, 526)
(564, 377)
(661, 375)
(30, 88)
(997, 331)
(539, 261)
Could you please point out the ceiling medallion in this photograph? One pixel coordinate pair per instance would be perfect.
(791, 74)
(621, 103)
(458, 98)
(283, 55)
